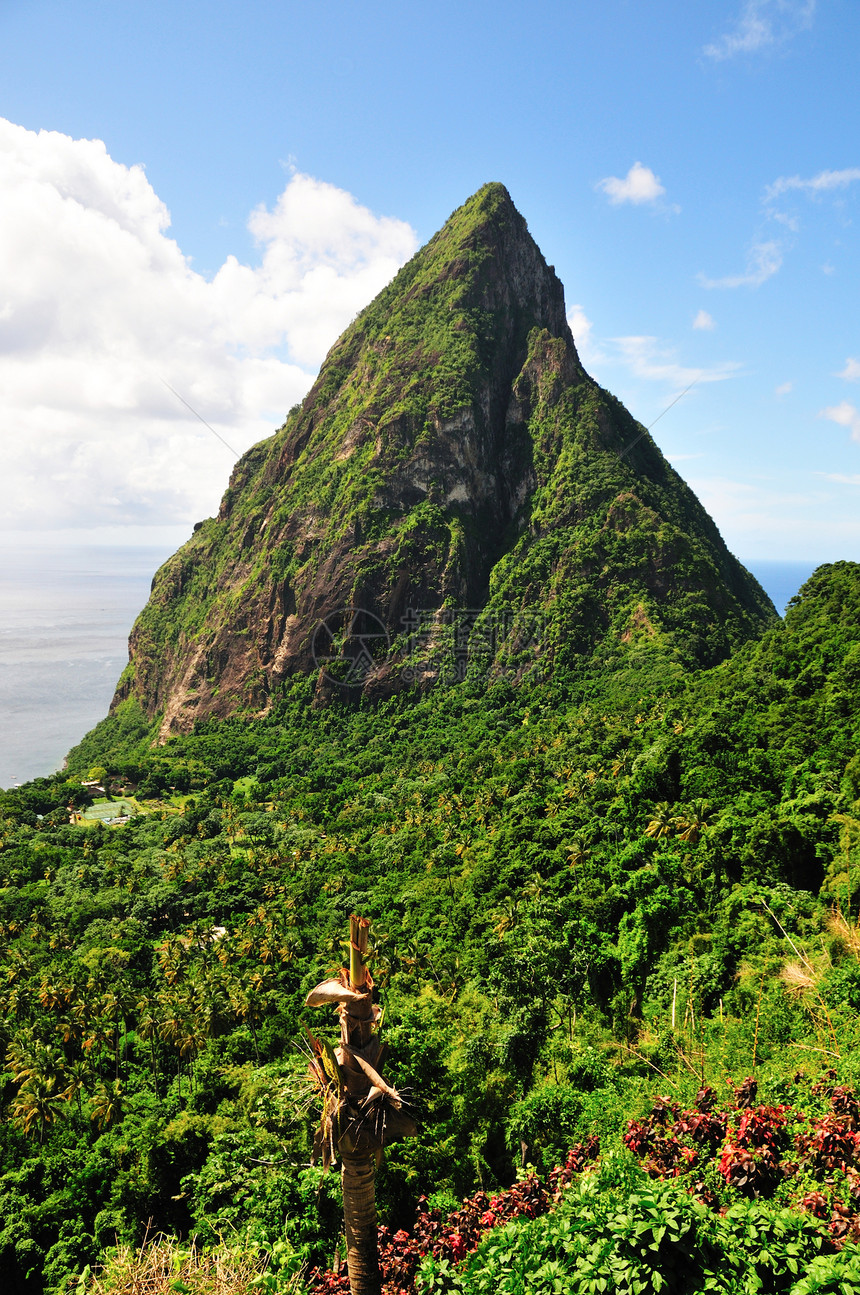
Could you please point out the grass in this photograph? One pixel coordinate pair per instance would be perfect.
(167, 1267)
(102, 809)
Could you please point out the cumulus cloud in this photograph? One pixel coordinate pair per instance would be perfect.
(99, 309)
(846, 415)
(851, 372)
(639, 185)
(580, 325)
(763, 261)
(704, 321)
(324, 258)
(763, 24)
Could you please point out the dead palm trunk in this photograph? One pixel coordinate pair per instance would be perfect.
(357, 1178)
(361, 1112)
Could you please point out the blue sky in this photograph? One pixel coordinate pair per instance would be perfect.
(692, 171)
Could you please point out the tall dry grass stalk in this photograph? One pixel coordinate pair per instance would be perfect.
(165, 1266)
(845, 930)
(797, 978)
(801, 977)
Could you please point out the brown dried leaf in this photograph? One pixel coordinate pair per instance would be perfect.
(375, 1078)
(331, 991)
(398, 1125)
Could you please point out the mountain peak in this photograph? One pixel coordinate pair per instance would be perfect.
(483, 259)
(488, 213)
(491, 204)
(453, 458)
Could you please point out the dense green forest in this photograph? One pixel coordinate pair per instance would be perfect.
(585, 891)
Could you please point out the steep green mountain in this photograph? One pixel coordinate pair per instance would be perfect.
(456, 476)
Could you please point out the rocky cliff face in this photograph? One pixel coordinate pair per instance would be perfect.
(452, 469)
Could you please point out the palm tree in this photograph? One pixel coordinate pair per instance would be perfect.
(114, 1008)
(413, 958)
(37, 1103)
(694, 822)
(107, 1104)
(67, 1029)
(533, 890)
(361, 1112)
(148, 1028)
(175, 1027)
(21, 1060)
(52, 996)
(849, 837)
(249, 999)
(662, 821)
(77, 1073)
(505, 918)
(577, 855)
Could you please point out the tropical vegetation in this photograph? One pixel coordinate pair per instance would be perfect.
(583, 893)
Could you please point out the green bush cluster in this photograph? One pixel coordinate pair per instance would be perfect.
(632, 1237)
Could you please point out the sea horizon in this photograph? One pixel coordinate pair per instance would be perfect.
(65, 618)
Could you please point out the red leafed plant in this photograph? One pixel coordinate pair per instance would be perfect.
(454, 1236)
(754, 1149)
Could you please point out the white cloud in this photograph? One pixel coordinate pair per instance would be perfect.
(704, 321)
(846, 415)
(324, 258)
(851, 372)
(648, 360)
(784, 389)
(582, 328)
(638, 186)
(99, 308)
(763, 24)
(763, 261)
(841, 478)
(823, 182)
(765, 256)
(645, 358)
(763, 517)
(783, 218)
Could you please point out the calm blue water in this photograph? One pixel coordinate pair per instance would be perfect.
(65, 617)
(781, 580)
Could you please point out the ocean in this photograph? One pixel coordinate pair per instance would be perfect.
(65, 617)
